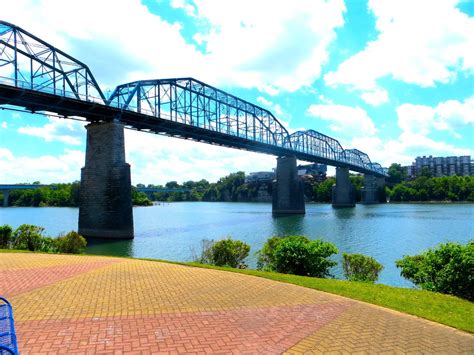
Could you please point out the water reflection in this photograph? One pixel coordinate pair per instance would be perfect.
(288, 225)
(101, 246)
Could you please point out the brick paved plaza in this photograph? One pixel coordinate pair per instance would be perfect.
(101, 305)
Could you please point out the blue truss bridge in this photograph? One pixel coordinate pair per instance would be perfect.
(38, 77)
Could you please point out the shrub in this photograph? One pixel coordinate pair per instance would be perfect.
(72, 243)
(5, 236)
(448, 268)
(225, 252)
(27, 237)
(265, 256)
(297, 255)
(358, 267)
(48, 245)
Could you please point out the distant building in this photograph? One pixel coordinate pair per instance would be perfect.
(260, 176)
(442, 166)
(317, 171)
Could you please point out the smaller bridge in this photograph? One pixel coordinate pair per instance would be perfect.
(6, 188)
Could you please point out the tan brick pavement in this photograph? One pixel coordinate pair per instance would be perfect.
(89, 305)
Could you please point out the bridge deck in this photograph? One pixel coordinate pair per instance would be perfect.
(94, 112)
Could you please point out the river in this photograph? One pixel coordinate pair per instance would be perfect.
(171, 231)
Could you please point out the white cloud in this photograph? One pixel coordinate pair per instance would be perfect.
(417, 122)
(4, 124)
(157, 159)
(344, 120)
(451, 116)
(45, 168)
(61, 130)
(375, 97)
(269, 45)
(419, 42)
(188, 8)
(406, 148)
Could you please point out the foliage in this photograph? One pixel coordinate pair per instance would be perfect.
(265, 256)
(448, 268)
(359, 267)
(225, 252)
(5, 236)
(424, 188)
(396, 173)
(140, 198)
(72, 243)
(297, 255)
(28, 237)
(323, 190)
(58, 195)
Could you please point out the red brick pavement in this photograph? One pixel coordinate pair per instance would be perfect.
(15, 282)
(259, 330)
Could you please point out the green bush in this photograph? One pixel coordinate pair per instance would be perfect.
(265, 256)
(48, 245)
(358, 267)
(297, 255)
(225, 252)
(27, 237)
(448, 268)
(5, 236)
(72, 243)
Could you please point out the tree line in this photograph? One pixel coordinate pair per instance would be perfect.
(232, 188)
(59, 195)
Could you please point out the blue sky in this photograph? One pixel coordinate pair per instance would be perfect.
(392, 78)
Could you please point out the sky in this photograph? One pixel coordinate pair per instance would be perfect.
(394, 79)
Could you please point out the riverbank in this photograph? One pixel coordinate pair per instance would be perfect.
(68, 303)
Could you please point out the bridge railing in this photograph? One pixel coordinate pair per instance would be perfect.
(48, 90)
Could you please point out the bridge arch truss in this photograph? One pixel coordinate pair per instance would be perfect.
(28, 62)
(191, 102)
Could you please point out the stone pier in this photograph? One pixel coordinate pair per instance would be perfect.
(343, 192)
(105, 208)
(373, 190)
(288, 189)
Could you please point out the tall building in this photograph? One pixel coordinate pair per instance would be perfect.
(442, 166)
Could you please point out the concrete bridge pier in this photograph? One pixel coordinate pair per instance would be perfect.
(373, 190)
(105, 208)
(343, 192)
(288, 189)
(6, 195)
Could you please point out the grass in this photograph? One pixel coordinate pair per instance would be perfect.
(444, 309)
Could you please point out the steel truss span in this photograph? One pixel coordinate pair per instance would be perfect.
(40, 77)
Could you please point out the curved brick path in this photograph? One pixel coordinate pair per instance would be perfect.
(98, 305)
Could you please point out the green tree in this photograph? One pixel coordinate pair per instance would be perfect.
(225, 252)
(297, 255)
(448, 268)
(72, 243)
(27, 237)
(396, 174)
(359, 267)
(323, 190)
(5, 236)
